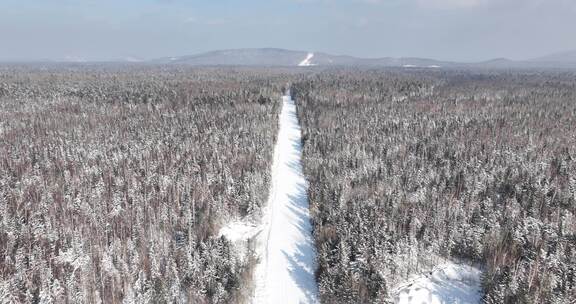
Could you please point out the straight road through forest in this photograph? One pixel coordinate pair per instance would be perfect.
(285, 273)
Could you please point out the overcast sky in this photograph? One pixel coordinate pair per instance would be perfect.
(464, 30)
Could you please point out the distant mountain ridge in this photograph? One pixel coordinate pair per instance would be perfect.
(284, 57)
(567, 56)
(264, 56)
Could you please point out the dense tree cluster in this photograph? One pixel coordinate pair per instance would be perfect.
(410, 167)
(113, 182)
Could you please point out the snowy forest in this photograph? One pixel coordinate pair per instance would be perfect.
(407, 168)
(116, 180)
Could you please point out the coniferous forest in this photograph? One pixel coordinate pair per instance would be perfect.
(410, 168)
(116, 180)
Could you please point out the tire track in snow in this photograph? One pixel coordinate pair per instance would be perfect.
(285, 272)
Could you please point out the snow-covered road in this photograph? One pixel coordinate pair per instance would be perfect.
(285, 273)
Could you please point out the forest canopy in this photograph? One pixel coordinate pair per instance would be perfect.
(407, 168)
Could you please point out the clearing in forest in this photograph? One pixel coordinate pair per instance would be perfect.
(285, 273)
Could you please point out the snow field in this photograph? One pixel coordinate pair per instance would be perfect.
(307, 61)
(448, 283)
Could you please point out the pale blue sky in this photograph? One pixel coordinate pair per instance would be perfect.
(465, 30)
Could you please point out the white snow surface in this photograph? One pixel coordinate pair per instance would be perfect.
(447, 283)
(285, 272)
(307, 61)
(239, 231)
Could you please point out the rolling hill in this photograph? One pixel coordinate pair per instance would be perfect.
(283, 57)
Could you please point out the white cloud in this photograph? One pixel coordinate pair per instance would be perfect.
(515, 4)
(434, 4)
(205, 21)
(372, 1)
(451, 4)
(362, 22)
(190, 20)
(502, 5)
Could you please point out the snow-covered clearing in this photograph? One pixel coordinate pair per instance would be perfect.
(307, 61)
(447, 283)
(239, 231)
(284, 243)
